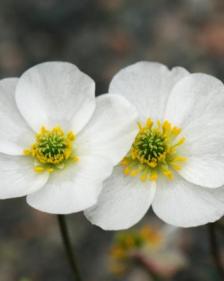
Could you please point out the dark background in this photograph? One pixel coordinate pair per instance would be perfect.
(100, 37)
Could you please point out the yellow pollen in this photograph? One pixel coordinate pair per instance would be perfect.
(180, 159)
(75, 158)
(149, 123)
(124, 162)
(127, 170)
(168, 174)
(38, 169)
(176, 131)
(154, 152)
(176, 167)
(52, 150)
(134, 173)
(50, 170)
(154, 176)
(151, 236)
(143, 177)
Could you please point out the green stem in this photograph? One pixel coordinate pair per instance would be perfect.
(68, 247)
(214, 247)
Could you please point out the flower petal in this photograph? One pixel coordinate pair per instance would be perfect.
(74, 188)
(15, 135)
(205, 171)
(196, 104)
(111, 130)
(56, 93)
(147, 85)
(183, 204)
(123, 201)
(205, 150)
(194, 97)
(18, 177)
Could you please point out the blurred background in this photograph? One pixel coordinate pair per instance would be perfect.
(101, 37)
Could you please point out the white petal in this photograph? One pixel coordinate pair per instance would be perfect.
(183, 204)
(196, 104)
(205, 147)
(74, 188)
(56, 93)
(205, 152)
(194, 97)
(111, 130)
(18, 177)
(205, 136)
(15, 135)
(147, 85)
(205, 171)
(123, 201)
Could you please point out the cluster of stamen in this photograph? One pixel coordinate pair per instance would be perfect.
(52, 149)
(154, 151)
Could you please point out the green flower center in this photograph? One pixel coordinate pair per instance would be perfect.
(149, 145)
(52, 149)
(154, 151)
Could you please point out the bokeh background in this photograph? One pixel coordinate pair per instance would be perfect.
(101, 37)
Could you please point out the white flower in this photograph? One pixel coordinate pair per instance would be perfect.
(176, 161)
(57, 142)
(155, 246)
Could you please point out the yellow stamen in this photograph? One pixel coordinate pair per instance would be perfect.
(134, 172)
(176, 131)
(154, 176)
(176, 167)
(27, 152)
(154, 151)
(143, 177)
(50, 170)
(181, 141)
(38, 169)
(149, 123)
(139, 125)
(127, 171)
(75, 158)
(180, 159)
(168, 174)
(52, 149)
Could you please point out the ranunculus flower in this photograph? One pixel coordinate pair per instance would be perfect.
(156, 248)
(176, 161)
(57, 142)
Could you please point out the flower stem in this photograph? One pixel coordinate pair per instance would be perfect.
(214, 247)
(68, 247)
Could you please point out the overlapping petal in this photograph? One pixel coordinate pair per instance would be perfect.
(122, 202)
(111, 129)
(196, 104)
(56, 93)
(74, 188)
(205, 152)
(196, 96)
(15, 135)
(18, 177)
(147, 86)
